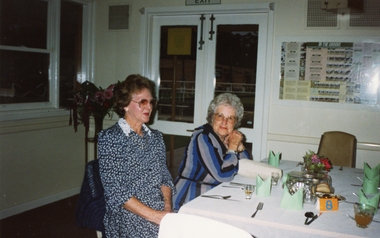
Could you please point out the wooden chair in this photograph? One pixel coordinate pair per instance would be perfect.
(339, 147)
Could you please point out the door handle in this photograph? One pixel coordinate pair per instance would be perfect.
(201, 42)
(212, 32)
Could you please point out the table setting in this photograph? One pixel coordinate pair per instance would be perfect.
(273, 209)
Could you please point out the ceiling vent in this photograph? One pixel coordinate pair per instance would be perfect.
(343, 6)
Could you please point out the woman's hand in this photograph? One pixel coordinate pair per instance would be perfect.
(241, 147)
(235, 139)
(136, 206)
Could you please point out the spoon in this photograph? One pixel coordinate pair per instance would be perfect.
(308, 215)
(216, 196)
(312, 216)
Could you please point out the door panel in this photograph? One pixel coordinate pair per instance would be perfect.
(177, 102)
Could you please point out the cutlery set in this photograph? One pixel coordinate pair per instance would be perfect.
(259, 206)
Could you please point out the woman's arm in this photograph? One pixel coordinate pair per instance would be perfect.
(134, 205)
(167, 193)
(222, 167)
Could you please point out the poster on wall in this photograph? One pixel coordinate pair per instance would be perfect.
(336, 72)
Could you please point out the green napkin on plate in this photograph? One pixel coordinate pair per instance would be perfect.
(263, 188)
(370, 186)
(284, 178)
(370, 200)
(274, 159)
(293, 202)
(371, 172)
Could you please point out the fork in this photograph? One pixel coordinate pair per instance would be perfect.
(259, 207)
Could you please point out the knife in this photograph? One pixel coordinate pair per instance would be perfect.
(205, 196)
(226, 186)
(238, 184)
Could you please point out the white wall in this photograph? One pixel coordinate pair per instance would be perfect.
(42, 161)
(294, 127)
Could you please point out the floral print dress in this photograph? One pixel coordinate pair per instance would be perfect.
(132, 166)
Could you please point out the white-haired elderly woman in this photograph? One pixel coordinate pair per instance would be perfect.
(213, 152)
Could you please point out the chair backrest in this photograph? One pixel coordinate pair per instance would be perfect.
(177, 225)
(91, 204)
(339, 147)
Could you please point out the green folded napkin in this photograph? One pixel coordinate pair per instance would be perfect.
(370, 200)
(293, 202)
(274, 159)
(284, 178)
(370, 186)
(263, 188)
(371, 172)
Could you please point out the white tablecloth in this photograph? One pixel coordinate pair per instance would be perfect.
(274, 221)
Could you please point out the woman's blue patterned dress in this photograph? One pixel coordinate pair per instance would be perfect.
(131, 165)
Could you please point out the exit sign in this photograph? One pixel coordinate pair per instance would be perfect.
(202, 2)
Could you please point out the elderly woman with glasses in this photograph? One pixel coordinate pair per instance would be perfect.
(213, 152)
(138, 187)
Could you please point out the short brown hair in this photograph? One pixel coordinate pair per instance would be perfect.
(134, 83)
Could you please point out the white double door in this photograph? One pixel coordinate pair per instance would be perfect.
(228, 53)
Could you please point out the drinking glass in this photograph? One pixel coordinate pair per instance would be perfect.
(248, 189)
(275, 178)
(363, 214)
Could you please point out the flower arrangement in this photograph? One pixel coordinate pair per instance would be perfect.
(94, 101)
(316, 163)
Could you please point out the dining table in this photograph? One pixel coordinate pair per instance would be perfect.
(275, 221)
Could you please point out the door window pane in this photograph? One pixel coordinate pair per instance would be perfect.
(177, 75)
(235, 65)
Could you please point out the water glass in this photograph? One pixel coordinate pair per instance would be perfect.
(248, 189)
(275, 178)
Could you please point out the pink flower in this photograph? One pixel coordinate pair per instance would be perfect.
(315, 159)
(99, 97)
(108, 94)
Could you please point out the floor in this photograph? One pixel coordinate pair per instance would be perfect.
(56, 220)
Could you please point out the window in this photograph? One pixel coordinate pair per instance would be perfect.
(33, 74)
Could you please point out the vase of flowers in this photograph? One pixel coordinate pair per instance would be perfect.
(314, 163)
(91, 101)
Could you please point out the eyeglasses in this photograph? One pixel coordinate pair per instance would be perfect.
(144, 102)
(220, 117)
